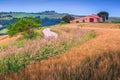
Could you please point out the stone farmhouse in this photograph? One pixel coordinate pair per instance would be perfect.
(94, 18)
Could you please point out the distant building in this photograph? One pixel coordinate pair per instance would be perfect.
(91, 18)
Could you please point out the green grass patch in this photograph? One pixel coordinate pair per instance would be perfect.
(117, 22)
(4, 31)
(14, 62)
(6, 18)
(92, 34)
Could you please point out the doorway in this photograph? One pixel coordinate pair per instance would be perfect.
(77, 21)
(91, 20)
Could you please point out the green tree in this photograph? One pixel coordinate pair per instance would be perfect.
(67, 18)
(25, 26)
(104, 15)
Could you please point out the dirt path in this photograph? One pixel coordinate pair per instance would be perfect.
(48, 33)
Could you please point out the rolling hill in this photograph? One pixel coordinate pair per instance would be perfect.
(48, 18)
(79, 53)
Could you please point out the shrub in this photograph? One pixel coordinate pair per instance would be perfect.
(31, 36)
(67, 18)
(92, 34)
(25, 26)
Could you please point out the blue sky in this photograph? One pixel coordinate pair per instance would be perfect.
(79, 7)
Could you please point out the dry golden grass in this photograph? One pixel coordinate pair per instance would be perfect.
(6, 39)
(62, 66)
(99, 25)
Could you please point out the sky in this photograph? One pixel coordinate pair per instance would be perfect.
(77, 7)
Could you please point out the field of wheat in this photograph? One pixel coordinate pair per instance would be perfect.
(96, 59)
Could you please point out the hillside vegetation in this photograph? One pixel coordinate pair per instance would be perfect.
(90, 52)
(48, 17)
(18, 56)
